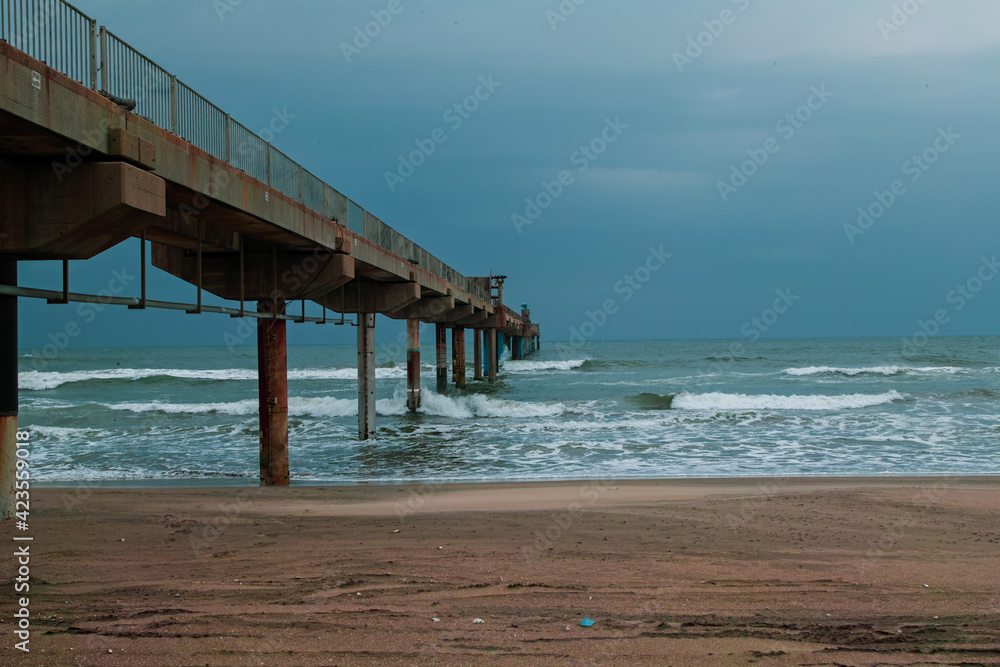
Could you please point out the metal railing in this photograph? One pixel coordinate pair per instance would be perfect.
(70, 42)
(54, 32)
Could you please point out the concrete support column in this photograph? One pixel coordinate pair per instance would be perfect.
(515, 348)
(477, 354)
(366, 376)
(412, 365)
(272, 382)
(458, 356)
(441, 337)
(491, 357)
(8, 390)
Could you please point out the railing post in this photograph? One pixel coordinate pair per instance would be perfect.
(302, 173)
(228, 141)
(267, 162)
(104, 60)
(95, 45)
(174, 105)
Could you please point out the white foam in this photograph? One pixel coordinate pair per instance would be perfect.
(236, 408)
(512, 366)
(61, 433)
(871, 370)
(42, 380)
(460, 407)
(477, 405)
(720, 401)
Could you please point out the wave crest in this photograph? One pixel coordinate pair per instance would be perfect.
(720, 401)
(512, 366)
(459, 407)
(44, 380)
(871, 370)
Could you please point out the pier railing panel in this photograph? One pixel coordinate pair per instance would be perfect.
(54, 32)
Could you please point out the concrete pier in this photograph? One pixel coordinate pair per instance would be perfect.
(366, 376)
(412, 365)
(441, 336)
(8, 390)
(272, 380)
(477, 354)
(218, 220)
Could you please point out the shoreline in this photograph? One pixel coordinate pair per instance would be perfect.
(249, 483)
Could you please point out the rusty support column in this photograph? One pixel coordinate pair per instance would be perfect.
(492, 358)
(461, 357)
(412, 365)
(458, 356)
(441, 338)
(8, 390)
(366, 376)
(272, 381)
(477, 354)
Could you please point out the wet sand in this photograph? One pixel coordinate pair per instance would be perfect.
(687, 572)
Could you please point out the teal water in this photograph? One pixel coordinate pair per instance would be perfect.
(596, 410)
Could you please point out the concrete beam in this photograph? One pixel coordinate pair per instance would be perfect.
(426, 308)
(453, 316)
(475, 320)
(371, 297)
(79, 213)
(289, 275)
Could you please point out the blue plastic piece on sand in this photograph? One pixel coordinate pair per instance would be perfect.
(587, 622)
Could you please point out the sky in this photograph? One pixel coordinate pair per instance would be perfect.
(724, 169)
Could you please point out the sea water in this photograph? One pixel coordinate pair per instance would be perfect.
(630, 409)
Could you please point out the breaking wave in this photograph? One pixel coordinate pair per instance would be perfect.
(459, 407)
(720, 401)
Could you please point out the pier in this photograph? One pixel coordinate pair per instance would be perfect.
(98, 145)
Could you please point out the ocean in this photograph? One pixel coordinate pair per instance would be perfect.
(629, 409)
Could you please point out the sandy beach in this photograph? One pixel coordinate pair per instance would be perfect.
(889, 571)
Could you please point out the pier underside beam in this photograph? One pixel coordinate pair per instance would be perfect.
(285, 275)
(412, 365)
(427, 308)
(8, 390)
(372, 297)
(441, 340)
(366, 376)
(454, 316)
(272, 379)
(79, 214)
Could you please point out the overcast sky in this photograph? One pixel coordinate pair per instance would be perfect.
(829, 101)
